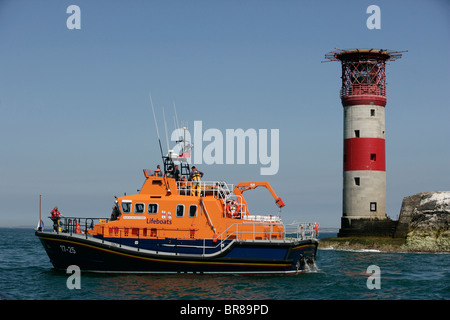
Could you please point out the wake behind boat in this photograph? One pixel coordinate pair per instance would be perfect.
(178, 223)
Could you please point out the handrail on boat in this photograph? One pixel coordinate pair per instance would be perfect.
(273, 231)
(294, 231)
(218, 189)
(69, 224)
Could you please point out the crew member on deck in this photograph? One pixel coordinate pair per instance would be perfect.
(56, 216)
(195, 176)
(176, 173)
(158, 172)
(115, 213)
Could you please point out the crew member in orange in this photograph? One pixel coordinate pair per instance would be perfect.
(195, 176)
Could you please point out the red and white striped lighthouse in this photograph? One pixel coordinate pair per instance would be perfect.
(363, 96)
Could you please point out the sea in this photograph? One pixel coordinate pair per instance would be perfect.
(27, 274)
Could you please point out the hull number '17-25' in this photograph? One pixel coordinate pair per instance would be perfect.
(67, 249)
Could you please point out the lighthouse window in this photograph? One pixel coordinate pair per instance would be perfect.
(357, 133)
(180, 211)
(139, 208)
(192, 211)
(126, 207)
(373, 157)
(373, 206)
(357, 181)
(372, 112)
(152, 208)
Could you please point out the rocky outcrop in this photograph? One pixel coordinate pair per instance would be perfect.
(425, 221)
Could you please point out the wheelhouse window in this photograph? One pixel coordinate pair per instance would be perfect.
(152, 208)
(139, 208)
(192, 211)
(126, 206)
(180, 211)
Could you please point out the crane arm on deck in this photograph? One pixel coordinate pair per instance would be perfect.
(244, 186)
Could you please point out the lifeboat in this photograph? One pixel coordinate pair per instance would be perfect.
(173, 225)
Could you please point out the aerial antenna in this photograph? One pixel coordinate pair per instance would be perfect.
(156, 125)
(174, 124)
(165, 126)
(176, 116)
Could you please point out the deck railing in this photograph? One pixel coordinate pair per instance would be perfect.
(264, 227)
(245, 231)
(270, 231)
(75, 224)
(218, 189)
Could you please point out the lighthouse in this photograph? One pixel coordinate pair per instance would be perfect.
(363, 97)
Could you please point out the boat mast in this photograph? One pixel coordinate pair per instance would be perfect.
(185, 170)
(39, 228)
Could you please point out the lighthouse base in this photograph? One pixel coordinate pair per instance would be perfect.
(367, 227)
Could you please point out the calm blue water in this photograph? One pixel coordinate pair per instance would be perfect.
(26, 273)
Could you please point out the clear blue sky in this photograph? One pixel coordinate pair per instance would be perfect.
(77, 125)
